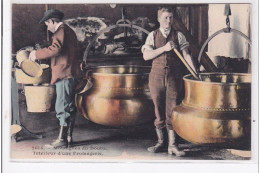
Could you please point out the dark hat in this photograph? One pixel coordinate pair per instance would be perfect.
(52, 13)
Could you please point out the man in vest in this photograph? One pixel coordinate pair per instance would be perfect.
(165, 79)
(65, 66)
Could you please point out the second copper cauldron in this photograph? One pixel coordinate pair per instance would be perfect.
(215, 110)
(119, 97)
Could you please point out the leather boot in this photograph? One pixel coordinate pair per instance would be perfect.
(70, 130)
(161, 143)
(172, 146)
(61, 140)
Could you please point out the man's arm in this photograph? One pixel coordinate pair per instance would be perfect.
(150, 54)
(53, 50)
(184, 45)
(188, 58)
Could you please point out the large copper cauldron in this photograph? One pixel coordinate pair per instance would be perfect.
(215, 110)
(119, 97)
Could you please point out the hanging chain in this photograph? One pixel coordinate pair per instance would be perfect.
(228, 22)
(227, 12)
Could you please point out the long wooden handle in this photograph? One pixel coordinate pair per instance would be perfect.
(194, 74)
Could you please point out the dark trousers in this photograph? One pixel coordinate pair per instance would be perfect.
(165, 85)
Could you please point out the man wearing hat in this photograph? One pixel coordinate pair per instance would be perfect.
(165, 78)
(65, 65)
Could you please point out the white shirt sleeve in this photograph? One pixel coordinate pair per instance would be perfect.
(32, 55)
(149, 43)
(182, 41)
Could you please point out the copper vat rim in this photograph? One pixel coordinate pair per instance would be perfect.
(117, 74)
(185, 78)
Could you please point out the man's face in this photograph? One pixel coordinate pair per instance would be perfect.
(50, 25)
(165, 20)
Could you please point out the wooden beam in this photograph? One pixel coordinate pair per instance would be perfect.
(194, 46)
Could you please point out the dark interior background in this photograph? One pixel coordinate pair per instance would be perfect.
(25, 17)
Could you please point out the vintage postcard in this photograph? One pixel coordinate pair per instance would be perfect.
(141, 82)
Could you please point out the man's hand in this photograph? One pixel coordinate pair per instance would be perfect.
(169, 46)
(32, 55)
